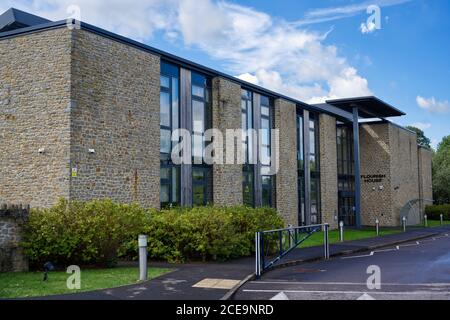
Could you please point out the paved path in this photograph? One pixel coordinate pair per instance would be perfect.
(413, 270)
(181, 283)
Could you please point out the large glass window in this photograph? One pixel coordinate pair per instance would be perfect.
(301, 169)
(248, 180)
(169, 121)
(266, 126)
(314, 167)
(346, 174)
(201, 121)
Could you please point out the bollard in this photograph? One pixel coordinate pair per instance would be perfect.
(258, 254)
(326, 241)
(442, 219)
(425, 219)
(341, 231)
(142, 242)
(404, 224)
(377, 226)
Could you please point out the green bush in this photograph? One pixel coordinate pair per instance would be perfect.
(434, 212)
(82, 232)
(100, 232)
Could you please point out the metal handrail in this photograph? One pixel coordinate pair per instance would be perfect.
(262, 248)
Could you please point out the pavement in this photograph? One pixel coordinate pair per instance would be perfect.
(413, 270)
(215, 281)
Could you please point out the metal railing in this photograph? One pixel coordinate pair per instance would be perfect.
(273, 245)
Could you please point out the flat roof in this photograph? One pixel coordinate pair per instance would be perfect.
(13, 19)
(368, 107)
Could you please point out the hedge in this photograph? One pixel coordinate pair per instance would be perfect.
(434, 212)
(100, 232)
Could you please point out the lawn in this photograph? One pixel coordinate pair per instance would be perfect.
(349, 234)
(30, 284)
(435, 223)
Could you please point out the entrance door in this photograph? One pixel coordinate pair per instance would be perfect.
(347, 208)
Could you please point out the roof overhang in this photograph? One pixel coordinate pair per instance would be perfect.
(368, 107)
(14, 19)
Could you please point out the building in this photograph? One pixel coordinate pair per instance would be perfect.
(83, 113)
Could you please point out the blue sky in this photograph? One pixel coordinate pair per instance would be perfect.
(311, 50)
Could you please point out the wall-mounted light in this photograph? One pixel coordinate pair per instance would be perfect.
(381, 187)
(41, 150)
(91, 151)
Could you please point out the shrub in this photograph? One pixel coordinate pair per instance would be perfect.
(434, 212)
(82, 232)
(100, 232)
(217, 233)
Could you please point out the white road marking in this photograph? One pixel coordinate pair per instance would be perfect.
(366, 296)
(386, 250)
(280, 296)
(437, 284)
(362, 256)
(411, 293)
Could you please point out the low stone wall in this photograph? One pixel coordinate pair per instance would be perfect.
(12, 220)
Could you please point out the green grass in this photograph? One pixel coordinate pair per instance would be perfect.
(30, 284)
(349, 234)
(433, 223)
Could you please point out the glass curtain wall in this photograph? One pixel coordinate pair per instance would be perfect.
(248, 181)
(346, 174)
(169, 121)
(201, 121)
(314, 165)
(266, 126)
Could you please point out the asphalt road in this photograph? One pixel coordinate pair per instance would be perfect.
(412, 271)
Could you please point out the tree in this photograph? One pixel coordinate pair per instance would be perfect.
(441, 172)
(422, 140)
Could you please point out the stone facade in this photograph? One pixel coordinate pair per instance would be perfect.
(12, 257)
(35, 117)
(425, 177)
(226, 114)
(328, 170)
(390, 173)
(114, 111)
(286, 178)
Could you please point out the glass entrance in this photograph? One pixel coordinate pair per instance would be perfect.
(346, 209)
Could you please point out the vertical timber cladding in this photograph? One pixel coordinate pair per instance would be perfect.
(35, 117)
(226, 114)
(328, 169)
(286, 179)
(389, 172)
(115, 125)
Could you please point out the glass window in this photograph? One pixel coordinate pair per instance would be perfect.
(165, 82)
(198, 91)
(165, 109)
(166, 141)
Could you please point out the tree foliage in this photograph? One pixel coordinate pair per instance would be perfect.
(422, 139)
(441, 172)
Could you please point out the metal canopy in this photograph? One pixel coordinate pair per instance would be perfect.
(368, 107)
(14, 19)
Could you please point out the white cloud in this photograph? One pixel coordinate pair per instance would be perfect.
(268, 51)
(367, 27)
(432, 105)
(422, 125)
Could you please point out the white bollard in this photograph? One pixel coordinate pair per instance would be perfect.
(341, 231)
(425, 217)
(142, 242)
(404, 224)
(442, 219)
(377, 225)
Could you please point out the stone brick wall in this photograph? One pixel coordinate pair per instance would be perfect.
(328, 169)
(115, 111)
(286, 179)
(375, 155)
(389, 169)
(404, 170)
(226, 114)
(425, 176)
(34, 115)
(12, 257)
